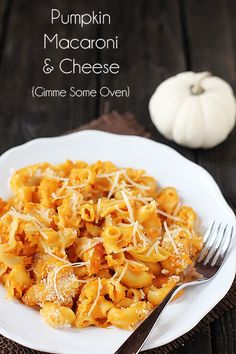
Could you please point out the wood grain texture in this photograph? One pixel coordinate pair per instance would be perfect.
(23, 117)
(150, 51)
(199, 344)
(3, 10)
(209, 37)
(211, 48)
(223, 334)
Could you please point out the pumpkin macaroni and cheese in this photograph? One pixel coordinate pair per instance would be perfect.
(93, 244)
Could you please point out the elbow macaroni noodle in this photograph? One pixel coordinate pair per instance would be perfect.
(93, 244)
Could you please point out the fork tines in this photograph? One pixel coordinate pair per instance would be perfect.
(216, 244)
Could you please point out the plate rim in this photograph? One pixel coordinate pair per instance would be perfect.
(214, 187)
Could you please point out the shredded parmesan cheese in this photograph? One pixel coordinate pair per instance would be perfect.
(141, 199)
(122, 273)
(167, 215)
(48, 251)
(170, 237)
(98, 210)
(12, 231)
(126, 199)
(143, 238)
(58, 269)
(111, 174)
(74, 202)
(108, 220)
(121, 224)
(50, 174)
(135, 228)
(27, 217)
(177, 209)
(142, 294)
(64, 186)
(153, 247)
(4, 216)
(97, 297)
(76, 186)
(54, 196)
(129, 248)
(137, 185)
(91, 244)
(44, 213)
(114, 185)
(133, 183)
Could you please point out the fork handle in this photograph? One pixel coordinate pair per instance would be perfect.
(137, 339)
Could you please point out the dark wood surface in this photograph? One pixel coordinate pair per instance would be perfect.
(158, 38)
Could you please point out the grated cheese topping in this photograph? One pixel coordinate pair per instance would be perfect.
(177, 209)
(137, 185)
(111, 174)
(74, 202)
(44, 213)
(142, 294)
(144, 200)
(167, 215)
(65, 217)
(122, 273)
(97, 297)
(135, 228)
(55, 197)
(153, 247)
(130, 211)
(12, 231)
(108, 220)
(114, 185)
(98, 210)
(170, 237)
(143, 238)
(90, 244)
(77, 186)
(56, 272)
(48, 251)
(133, 183)
(30, 218)
(128, 248)
(50, 174)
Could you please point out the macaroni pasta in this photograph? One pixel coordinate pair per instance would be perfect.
(93, 244)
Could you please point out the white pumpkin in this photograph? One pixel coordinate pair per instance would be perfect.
(194, 109)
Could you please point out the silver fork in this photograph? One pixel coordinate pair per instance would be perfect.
(216, 243)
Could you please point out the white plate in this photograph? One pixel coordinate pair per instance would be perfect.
(194, 184)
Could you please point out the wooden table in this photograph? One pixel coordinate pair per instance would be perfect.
(158, 38)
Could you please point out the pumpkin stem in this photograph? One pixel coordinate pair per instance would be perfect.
(197, 89)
